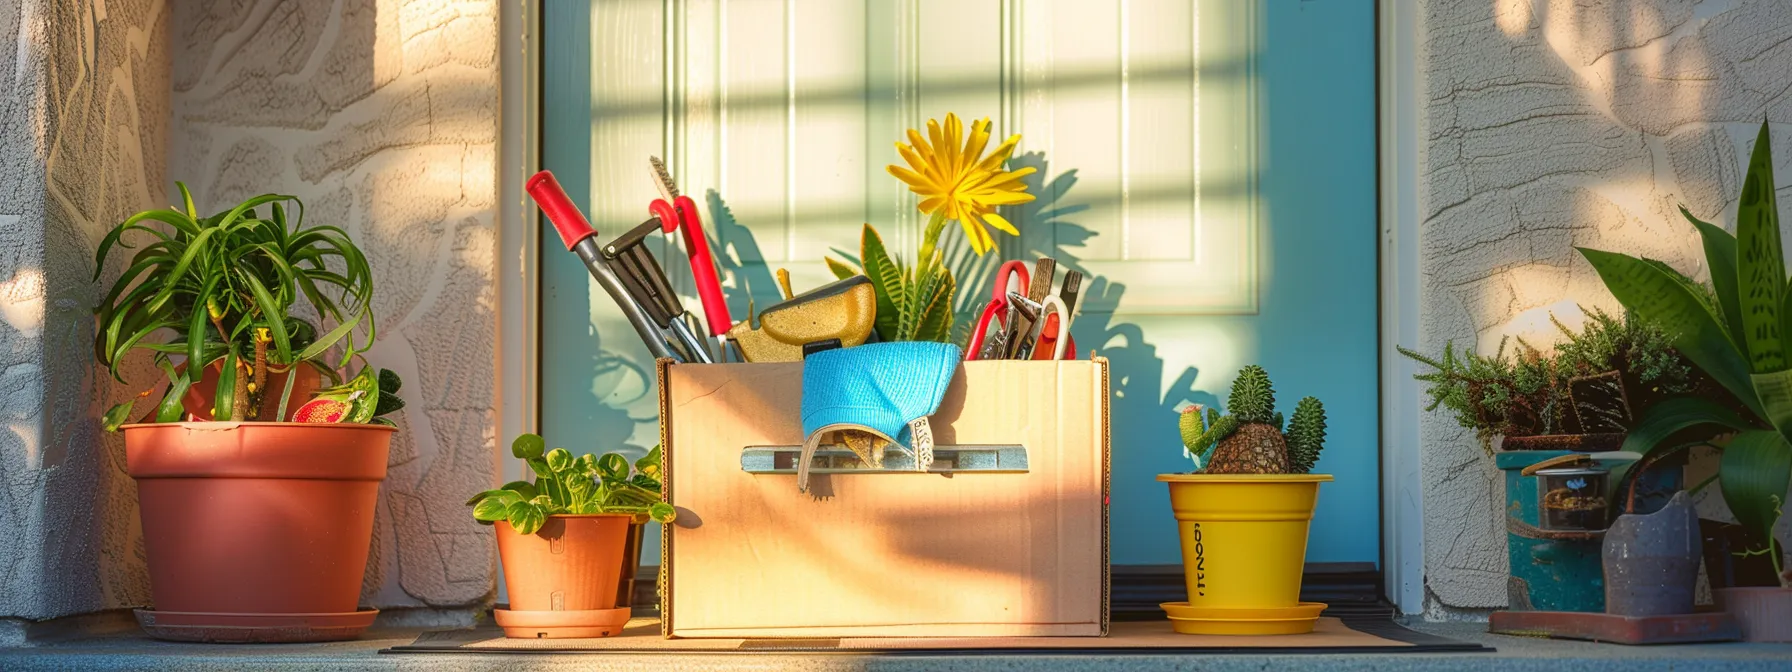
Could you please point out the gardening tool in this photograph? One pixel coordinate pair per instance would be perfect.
(581, 239)
(1036, 313)
(1056, 327)
(642, 277)
(1043, 272)
(676, 211)
(996, 312)
(844, 310)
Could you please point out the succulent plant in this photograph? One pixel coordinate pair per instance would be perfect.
(914, 303)
(1250, 440)
(1306, 435)
(573, 485)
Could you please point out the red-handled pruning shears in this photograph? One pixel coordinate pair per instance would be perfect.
(996, 312)
(676, 211)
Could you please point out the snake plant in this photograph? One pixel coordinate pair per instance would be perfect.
(1737, 334)
(568, 485)
(223, 289)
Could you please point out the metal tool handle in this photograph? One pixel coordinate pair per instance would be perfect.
(581, 239)
(641, 275)
(637, 317)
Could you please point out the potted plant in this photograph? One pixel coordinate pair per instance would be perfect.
(1243, 517)
(570, 540)
(1581, 395)
(1736, 332)
(255, 529)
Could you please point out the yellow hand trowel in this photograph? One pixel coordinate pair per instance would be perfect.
(844, 310)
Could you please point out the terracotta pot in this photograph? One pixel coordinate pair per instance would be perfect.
(1765, 614)
(256, 517)
(201, 396)
(574, 563)
(1652, 561)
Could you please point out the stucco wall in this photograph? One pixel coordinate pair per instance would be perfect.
(382, 116)
(1551, 124)
(83, 141)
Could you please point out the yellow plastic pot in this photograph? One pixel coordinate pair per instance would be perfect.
(1244, 536)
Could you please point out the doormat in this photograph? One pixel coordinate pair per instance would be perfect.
(642, 635)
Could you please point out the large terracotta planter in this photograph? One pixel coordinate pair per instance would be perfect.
(564, 579)
(256, 531)
(1244, 548)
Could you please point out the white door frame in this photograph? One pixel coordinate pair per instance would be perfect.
(1399, 83)
(519, 230)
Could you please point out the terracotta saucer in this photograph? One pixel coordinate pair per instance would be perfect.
(561, 624)
(187, 626)
(1295, 620)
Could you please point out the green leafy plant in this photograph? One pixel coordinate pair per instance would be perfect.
(1736, 334)
(1251, 438)
(1531, 393)
(222, 289)
(913, 304)
(567, 485)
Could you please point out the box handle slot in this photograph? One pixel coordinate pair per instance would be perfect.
(835, 458)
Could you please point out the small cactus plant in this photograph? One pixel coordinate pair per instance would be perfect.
(1306, 435)
(1251, 439)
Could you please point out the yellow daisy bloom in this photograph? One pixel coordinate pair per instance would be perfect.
(957, 182)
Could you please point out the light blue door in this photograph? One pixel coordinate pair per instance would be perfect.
(1211, 166)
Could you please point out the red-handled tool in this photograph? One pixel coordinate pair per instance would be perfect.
(677, 211)
(581, 239)
(995, 312)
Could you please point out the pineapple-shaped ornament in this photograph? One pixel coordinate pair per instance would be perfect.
(1251, 440)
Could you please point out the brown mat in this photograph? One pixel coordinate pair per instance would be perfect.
(642, 635)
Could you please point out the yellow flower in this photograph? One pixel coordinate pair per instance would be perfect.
(961, 183)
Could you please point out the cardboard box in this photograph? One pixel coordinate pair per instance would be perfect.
(887, 554)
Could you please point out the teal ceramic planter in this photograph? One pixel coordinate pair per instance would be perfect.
(1562, 571)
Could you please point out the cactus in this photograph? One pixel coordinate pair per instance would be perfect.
(1192, 427)
(1254, 438)
(1253, 399)
(1199, 435)
(1306, 435)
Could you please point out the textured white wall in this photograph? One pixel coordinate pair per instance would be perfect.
(1551, 124)
(382, 116)
(83, 138)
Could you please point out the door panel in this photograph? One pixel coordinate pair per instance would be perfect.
(1209, 240)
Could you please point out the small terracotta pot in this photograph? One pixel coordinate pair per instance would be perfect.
(256, 517)
(1765, 614)
(572, 564)
(201, 396)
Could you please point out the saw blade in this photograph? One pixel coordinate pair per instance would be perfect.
(662, 178)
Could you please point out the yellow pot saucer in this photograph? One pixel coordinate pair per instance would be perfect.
(1295, 620)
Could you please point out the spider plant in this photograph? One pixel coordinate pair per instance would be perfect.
(222, 290)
